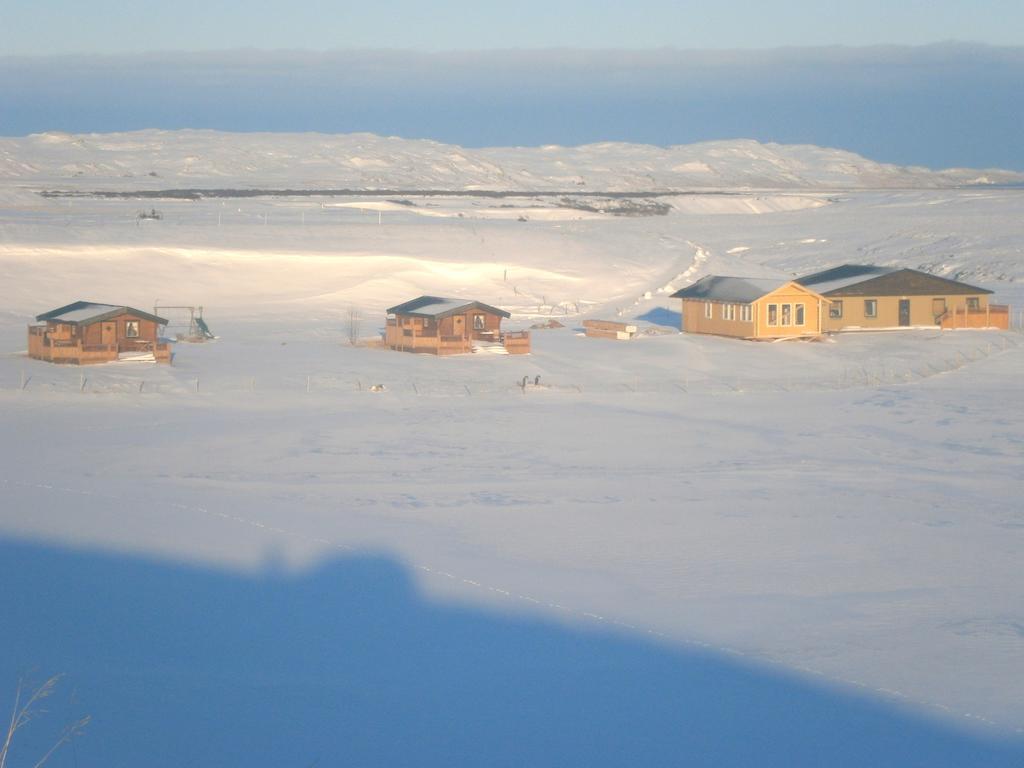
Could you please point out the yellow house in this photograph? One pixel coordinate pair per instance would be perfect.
(864, 297)
(751, 308)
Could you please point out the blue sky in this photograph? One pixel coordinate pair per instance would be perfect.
(530, 73)
(44, 27)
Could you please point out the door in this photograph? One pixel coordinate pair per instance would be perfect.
(904, 311)
(938, 310)
(459, 326)
(108, 334)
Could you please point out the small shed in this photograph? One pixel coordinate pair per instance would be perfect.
(86, 332)
(751, 308)
(865, 297)
(446, 326)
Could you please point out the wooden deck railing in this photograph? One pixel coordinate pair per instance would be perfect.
(43, 347)
(452, 345)
(516, 342)
(992, 316)
(135, 345)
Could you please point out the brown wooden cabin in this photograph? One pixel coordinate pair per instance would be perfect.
(85, 332)
(442, 326)
(751, 308)
(865, 297)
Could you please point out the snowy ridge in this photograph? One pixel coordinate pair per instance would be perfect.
(156, 159)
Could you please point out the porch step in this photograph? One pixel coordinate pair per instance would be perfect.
(136, 357)
(493, 347)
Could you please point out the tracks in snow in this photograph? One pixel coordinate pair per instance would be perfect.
(684, 278)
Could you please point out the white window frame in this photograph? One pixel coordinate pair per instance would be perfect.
(708, 311)
(799, 314)
(785, 315)
(479, 322)
(871, 308)
(835, 309)
(129, 326)
(768, 315)
(745, 313)
(973, 303)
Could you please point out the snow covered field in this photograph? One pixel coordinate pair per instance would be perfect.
(674, 550)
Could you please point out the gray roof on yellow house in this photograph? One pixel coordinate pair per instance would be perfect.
(840, 277)
(439, 306)
(739, 289)
(868, 280)
(89, 312)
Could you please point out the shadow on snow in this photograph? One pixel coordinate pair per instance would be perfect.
(662, 316)
(349, 665)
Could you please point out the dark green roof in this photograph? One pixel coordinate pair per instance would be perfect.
(89, 312)
(869, 280)
(438, 306)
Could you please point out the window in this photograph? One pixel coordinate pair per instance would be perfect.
(426, 322)
(745, 313)
(973, 302)
(835, 309)
(787, 314)
(728, 311)
(799, 311)
(479, 323)
(707, 310)
(773, 314)
(131, 329)
(870, 307)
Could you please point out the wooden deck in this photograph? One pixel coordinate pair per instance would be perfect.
(516, 342)
(992, 316)
(405, 339)
(74, 352)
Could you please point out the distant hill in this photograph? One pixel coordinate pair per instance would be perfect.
(155, 159)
